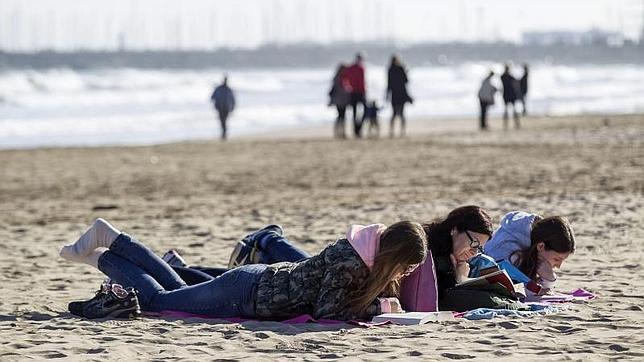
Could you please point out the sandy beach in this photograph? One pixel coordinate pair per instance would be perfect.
(201, 197)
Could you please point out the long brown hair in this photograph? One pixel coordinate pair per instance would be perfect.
(554, 232)
(401, 245)
(471, 217)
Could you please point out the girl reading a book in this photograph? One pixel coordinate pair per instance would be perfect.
(356, 277)
(536, 245)
(453, 241)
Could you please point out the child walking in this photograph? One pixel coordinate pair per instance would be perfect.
(371, 116)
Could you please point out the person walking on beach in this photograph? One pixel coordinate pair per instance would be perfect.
(523, 87)
(397, 93)
(356, 78)
(511, 91)
(486, 98)
(356, 277)
(339, 95)
(223, 100)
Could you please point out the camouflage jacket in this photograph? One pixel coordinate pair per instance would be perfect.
(321, 286)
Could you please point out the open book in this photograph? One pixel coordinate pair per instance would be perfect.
(499, 276)
(411, 318)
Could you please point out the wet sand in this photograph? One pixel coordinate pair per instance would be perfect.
(202, 197)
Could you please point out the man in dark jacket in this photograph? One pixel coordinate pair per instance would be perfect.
(224, 101)
(511, 91)
(397, 93)
(523, 86)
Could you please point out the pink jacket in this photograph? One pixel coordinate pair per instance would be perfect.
(418, 290)
(366, 241)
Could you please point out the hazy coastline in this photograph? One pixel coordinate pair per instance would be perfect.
(320, 55)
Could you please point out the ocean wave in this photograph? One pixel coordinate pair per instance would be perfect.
(72, 106)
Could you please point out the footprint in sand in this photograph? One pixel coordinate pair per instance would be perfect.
(509, 325)
(262, 335)
(457, 356)
(618, 348)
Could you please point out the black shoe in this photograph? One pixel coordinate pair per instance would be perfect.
(247, 250)
(111, 301)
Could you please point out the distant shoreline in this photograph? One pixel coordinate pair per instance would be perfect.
(317, 55)
(422, 127)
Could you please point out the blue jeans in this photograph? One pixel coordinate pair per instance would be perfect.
(274, 248)
(198, 274)
(159, 288)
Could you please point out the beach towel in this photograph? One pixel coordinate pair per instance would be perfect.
(488, 313)
(574, 296)
(531, 309)
(540, 305)
(305, 318)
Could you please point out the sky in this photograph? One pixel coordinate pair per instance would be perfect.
(67, 25)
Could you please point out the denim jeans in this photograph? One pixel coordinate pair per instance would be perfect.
(159, 288)
(274, 248)
(198, 274)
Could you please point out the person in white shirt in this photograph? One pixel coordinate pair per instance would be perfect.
(486, 98)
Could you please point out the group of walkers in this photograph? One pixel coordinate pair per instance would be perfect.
(373, 269)
(514, 91)
(348, 89)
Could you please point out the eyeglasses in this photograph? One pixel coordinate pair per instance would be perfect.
(474, 242)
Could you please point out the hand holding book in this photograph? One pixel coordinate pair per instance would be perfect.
(395, 305)
(461, 269)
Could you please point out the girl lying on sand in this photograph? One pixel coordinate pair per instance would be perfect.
(534, 244)
(453, 240)
(350, 279)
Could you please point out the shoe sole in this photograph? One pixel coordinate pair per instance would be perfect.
(232, 263)
(172, 258)
(252, 256)
(130, 313)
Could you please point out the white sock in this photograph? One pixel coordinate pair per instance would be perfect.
(92, 258)
(100, 234)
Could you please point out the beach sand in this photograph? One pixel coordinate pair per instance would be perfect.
(203, 197)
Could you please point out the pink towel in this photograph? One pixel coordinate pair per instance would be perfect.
(579, 294)
(304, 318)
